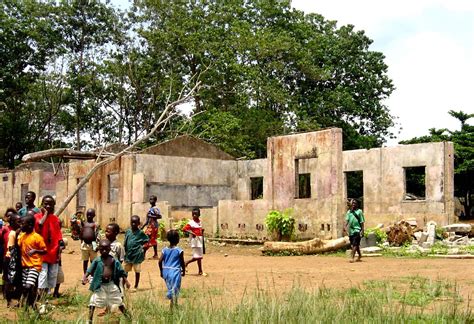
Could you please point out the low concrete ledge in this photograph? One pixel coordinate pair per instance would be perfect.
(236, 241)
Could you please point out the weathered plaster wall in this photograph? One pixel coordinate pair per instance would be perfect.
(247, 169)
(181, 177)
(320, 154)
(384, 182)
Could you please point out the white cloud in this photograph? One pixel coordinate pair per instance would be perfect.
(429, 48)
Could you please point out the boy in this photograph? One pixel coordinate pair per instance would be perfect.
(152, 226)
(33, 248)
(194, 228)
(116, 248)
(30, 198)
(12, 262)
(88, 236)
(354, 226)
(107, 273)
(134, 254)
(18, 206)
(49, 227)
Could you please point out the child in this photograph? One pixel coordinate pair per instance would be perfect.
(12, 264)
(172, 266)
(18, 206)
(194, 228)
(106, 272)
(60, 278)
(152, 226)
(354, 226)
(76, 225)
(134, 254)
(49, 227)
(32, 249)
(116, 248)
(88, 236)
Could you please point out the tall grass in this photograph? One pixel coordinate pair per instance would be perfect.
(379, 303)
(406, 300)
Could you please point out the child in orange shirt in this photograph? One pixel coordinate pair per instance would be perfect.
(32, 249)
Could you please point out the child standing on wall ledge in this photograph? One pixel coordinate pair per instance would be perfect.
(354, 226)
(134, 253)
(194, 228)
(172, 266)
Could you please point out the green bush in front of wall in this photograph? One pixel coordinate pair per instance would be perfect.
(281, 224)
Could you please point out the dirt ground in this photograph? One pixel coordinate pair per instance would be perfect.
(243, 268)
(238, 270)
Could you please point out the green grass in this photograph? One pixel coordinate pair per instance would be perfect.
(412, 299)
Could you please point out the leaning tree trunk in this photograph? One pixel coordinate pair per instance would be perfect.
(162, 120)
(314, 246)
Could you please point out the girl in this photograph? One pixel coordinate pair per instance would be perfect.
(196, 232)
(152, 226)
(172, 266)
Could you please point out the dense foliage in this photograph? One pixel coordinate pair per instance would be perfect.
(85, 74)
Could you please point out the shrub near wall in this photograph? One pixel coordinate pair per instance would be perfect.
(281, 225)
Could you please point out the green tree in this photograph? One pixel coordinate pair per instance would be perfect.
(463, 140)
(89, 30)
(292, 71)
(28, 39)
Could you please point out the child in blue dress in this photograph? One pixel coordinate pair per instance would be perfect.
(172, 266)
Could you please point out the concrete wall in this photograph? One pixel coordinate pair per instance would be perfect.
(320, 154)
(222, 188)
(384, 182)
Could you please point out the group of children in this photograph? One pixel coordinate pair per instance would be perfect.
(31, 251)
(31, 254)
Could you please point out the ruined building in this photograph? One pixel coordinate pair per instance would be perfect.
(306, 172)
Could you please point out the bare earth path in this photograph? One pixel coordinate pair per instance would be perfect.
(244, 270)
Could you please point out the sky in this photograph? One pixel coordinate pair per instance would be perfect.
(429, 49)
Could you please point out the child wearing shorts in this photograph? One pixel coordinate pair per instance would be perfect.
(107, 273)
(32, 249)
(135, 238)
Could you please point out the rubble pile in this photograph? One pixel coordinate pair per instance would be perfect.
(451, 240)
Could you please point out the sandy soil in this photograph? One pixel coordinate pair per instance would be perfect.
(243, 268)
(239, 270)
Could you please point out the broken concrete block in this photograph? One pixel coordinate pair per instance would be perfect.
(423, 237)
(431, 232)
(462, 241)
(426, 245)
(453, 251)
(418, 235)
(412, 222)
(371, 249)
(458, 228)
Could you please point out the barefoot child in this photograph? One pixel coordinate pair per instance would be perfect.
(172, 266)
(32, 249)
(194, 228)
(88, 237)
(107, 273)
(12, 265)
(152, 226)
(116, 248)
(134, 254)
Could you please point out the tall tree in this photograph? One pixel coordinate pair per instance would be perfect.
(88, 27)
(28, 39)
(295, 72)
